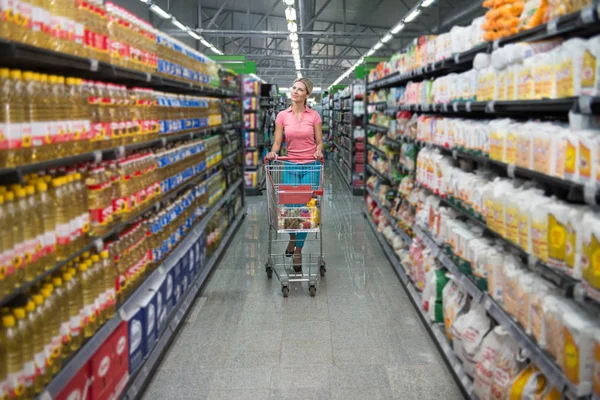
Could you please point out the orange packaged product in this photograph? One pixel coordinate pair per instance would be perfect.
(533, 14)
(488, 4)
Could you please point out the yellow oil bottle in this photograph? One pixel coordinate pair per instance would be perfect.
(4, 110)
(88, 314)
(82, 203)
(36, 337)
(25, 330)
(3, 366)
(110, 278)
(99, 291)
(4, 261)
(36, 213)
(75, 305)
(40, 343)
(63, 224)
(29, 234)
(12, 342)
(13, 236)
(47, 216)
(17, 118)
(37, 118)
(52, 324)
(62, 305)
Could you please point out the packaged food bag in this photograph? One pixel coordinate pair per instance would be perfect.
(596, 379)
(577, 71)
(508, 365)
(513, 271)
(486, 362)
(578, 351)
(590, 262)
(538, 221)
(537, 293)
(558, 223)
(468, 331)
(573, 254)
(533, 14)
(588, 156)
(454, 301)
(528, 385)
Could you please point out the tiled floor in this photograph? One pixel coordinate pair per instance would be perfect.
(359, 338)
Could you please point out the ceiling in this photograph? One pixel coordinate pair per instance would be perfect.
(342, 30)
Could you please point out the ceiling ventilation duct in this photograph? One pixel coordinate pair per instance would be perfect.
(306, 9)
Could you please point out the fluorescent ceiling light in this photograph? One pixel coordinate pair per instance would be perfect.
(412, 15)
(361, 60)
(289, 2)
(317, 89)
(294, 45)
(179, 24)
(290, 14)
(284, 89)
(159, 11)
(397, 28)
(427, 3)
(204, 42)
(292, 27)
(377, 46)
(294, 36)
(299, 75)
(146, 1)
(387, 38)
(296, 52)
(194, 35)
(370, 53)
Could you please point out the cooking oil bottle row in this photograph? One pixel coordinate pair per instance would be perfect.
(104, 32)
(59, 314)
(54, 215)
(44, 117)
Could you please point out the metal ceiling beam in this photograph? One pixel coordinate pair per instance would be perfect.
(214, 18)
(278, 34)
(275, 3)
(303, 69)
(319, 12)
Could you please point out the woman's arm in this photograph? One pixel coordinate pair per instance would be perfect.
(319, 140)
(276, 142)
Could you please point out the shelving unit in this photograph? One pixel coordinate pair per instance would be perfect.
(254, 137)
(584, 23)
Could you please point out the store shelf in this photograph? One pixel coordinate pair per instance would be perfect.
(583, 23)
(539, 357)
(435, 331)
(381, 176)
(19, 55)
(377, 150)
(554, 107)
(391, 219)
(141, 378)
(89, 348)
(231, 157)
(15, 175)
(344, 178)
(377, 128)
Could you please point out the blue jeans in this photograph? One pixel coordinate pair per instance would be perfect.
(301, 174)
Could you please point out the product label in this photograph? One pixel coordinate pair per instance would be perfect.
(37, 19)
(571, 358)
(75, 325)
(29, 373)
(40, 363)
(16, 384)
(14, 135)
(63, 234)
(585, 163)
(65, 332)
(539, 239)
(557, 241)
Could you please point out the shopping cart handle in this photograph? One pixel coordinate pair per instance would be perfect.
(284, 158)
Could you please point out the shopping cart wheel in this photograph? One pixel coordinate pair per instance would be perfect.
(269, 272)
(286, 291)
(312, 290)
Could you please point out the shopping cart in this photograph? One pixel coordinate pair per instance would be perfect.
(294, 199)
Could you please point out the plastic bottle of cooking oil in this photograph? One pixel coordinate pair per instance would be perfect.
(52, 324)
(35, 337)
(46, 214)
(25, 330)
(63, 226)
(87, 288)
(82, 202)
(4, 256)
(110, 278)
(24, 216)
(39, 343)
(71, 211)
(12, 341)
(97, 270)
(75, 301)
(62, 303)
(45, 102)
(4, 110)
(35, 117)
(13, 237)
(36, 222)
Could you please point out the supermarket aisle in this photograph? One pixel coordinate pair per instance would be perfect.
(359, 338)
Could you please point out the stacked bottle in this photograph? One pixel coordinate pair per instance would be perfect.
(60, 313)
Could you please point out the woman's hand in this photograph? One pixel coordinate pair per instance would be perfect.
(271, 155)
(318, 155)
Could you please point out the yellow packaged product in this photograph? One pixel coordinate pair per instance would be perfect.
(498, 136)
(510, 294)
(559, 147)
(543, 77)
(523, 285)
(590, 262)
(577, 70)
(558, 223)
(512, 79)
(502, 190)
(589, 142)
(550, 393)
(573, 254)
(529, 384)
(578, 350)
(524, 152)
(538, 222)
(511, 215)
(571, 169)
(494, 260)
(542, 149)
(537, 294)
(508, 364)
(525, 79)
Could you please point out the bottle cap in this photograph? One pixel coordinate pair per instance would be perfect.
(38, 299)
(77, 176)
(48, 286)
(30, 306)
(10, 196)
(57, 281)
(8, 321)
(19, 313)
(95, 258)
(30, 190)
(46, 292)
(41, 186)
(103, 253)
(3, 189)
(1, 199)
(67, 276)
(86, 254)
(15, 74)
(83, 267)
(4, 73)
(21, 193)
(28, 75)
(56, 182)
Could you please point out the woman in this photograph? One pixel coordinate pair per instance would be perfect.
(304, 138)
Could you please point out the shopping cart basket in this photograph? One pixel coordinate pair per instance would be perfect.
(294, 199)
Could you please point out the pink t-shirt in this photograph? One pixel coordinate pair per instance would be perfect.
(300, 136)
